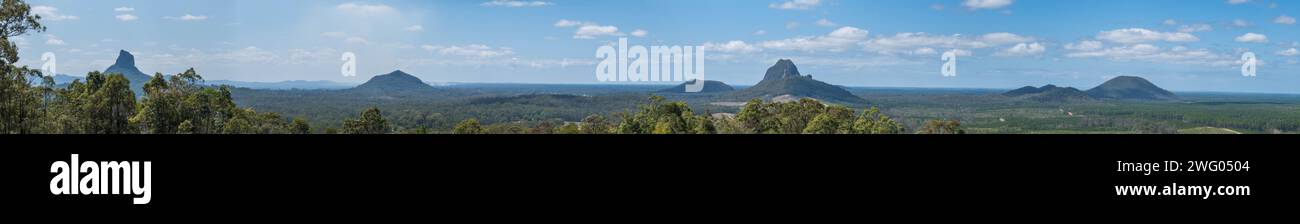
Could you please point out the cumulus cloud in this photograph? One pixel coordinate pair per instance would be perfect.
(1139, 35)
(986, 4)
(1193, 28)
(51, 13)
(1252, 38)
(478, 51)
(734, 46)
(796, 5)
(591, 30)
(1283, 19)
(1023, 49)
(516, 4)
(54, 40)
(187, 17)
(923, 43)
(1152, 53)
(839, 40)
(825, 22)
(1004, 38)
(126, 17)
(1085, 45)
(1289, 52)
(360, 8)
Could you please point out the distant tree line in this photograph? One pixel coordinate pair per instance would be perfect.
(806, 116)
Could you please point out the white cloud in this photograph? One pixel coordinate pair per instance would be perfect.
(734, 46)
(760, 32)
(791, 25)
(916, 43)
(1139, 35)
(640, 33)
(796, 5)
(1252, 38)
(1289, 52)
(415, 28)
(592, 31)
(1235, 2)
(124, 9)
(1152, 53)
(1085, 45)
(1192, 28)
(250, 54)
(126, 17)
(825, 22)
(361, 8)
(1170, 22)
(1004, 38)
(51, 13)
(1283, 19)
(54, 40)
(986, 4)
(187, 17)
(471, 51)
(839, 40)
(1240, 23)
(568, 23)
(516, 4)
(1023, 49)
(356, 40)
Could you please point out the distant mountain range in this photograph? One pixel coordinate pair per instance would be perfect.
(1118, 88)
(710, 86)
(783, 81)
(1049, 93)
(283, 85)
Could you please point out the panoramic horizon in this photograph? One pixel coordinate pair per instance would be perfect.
(1186, 46)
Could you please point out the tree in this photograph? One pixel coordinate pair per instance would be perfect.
(371, 122)
(568, 129)
(941, 127)
(835, 120)
(20, 103)
(111, 105)
(873, 122)
(468, 127)
(299, 127)
(159, 113)
(594, 124)
(16, 19)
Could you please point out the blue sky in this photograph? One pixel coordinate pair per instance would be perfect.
(1183, 45)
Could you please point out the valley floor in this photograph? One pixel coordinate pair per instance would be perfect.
(980, 111)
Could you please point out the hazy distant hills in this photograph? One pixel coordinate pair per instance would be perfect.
(1118, 88)
(396, 82)
(710, 86)
(284, 85)
(1130, 88)
(1049, 93)
(783, 80)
